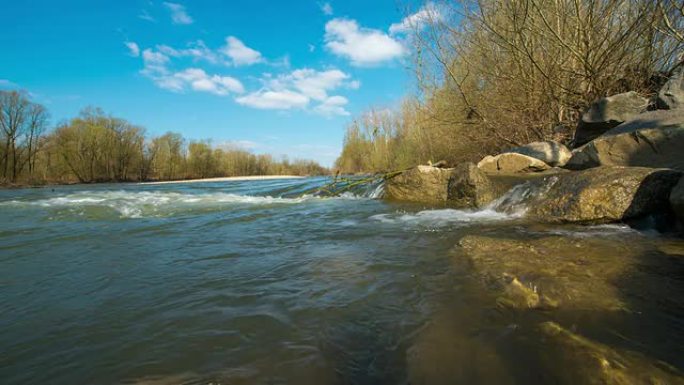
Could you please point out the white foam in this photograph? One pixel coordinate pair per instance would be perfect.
(135, 204)
(444, 217)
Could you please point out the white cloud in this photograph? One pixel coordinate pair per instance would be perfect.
(144, 15)
(299, 89)
(156, 68)
(195, 50)
(327, 9)
(133, 48)
(178, 13)
(239, 53)
(154, 62)
(274, 100)
(426, 14)
(363, 46)
(333, 105)
(199, 80)
(314, 84)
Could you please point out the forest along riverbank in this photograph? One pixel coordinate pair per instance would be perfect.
(261, 281)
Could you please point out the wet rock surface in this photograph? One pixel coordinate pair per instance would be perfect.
(420, 184)
(471, 187)
(604, 194)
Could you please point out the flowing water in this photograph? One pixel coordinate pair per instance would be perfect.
(261, 282)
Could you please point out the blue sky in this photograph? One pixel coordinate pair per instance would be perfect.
(282, 77)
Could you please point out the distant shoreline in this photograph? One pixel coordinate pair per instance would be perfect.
(14, 186)
(225, 179)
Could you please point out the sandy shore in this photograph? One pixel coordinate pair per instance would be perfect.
(227, 179)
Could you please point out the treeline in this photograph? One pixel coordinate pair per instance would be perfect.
(498, 73)
(96, 147)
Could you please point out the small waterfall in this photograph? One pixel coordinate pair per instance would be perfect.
(517, 199)
(377, 192)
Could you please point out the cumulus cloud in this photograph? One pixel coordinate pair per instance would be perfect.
(274, 100)
(133, 48)
(327, 9)
(196, 79)
(416, 21)
(333, 105)
(178, 13)
(363, 46)
(301, 88)
(312, 83)
(239, 53)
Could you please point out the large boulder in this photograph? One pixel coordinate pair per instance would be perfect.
(652, 139)
(607, 113)
(671, 96)
(464, 186)
(420, 184)
(549, 152)
(604, 194)
(471, 187)
(677, 200)
(511, 163)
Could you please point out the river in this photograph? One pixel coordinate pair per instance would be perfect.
(260, 282)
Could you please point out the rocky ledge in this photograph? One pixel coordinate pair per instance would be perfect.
(629, 166)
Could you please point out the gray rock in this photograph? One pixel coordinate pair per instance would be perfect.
(604, 194)
(420, 184)
(607, 113)
(651, 139)
(511, 163)
(549, 152)
(671, 96)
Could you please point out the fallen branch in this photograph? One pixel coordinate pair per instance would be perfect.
(340, 185)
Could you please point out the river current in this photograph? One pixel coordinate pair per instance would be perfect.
(261, 282)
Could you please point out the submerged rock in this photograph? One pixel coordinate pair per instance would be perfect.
(677, 200)
(511, 163)
(549, 152)
(604, 194)
(420, 184)
(549, 272)
(652, 139)
(607, 113)
(589, 362)
(445, 353)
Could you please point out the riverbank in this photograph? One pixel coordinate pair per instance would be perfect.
(202, 180)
